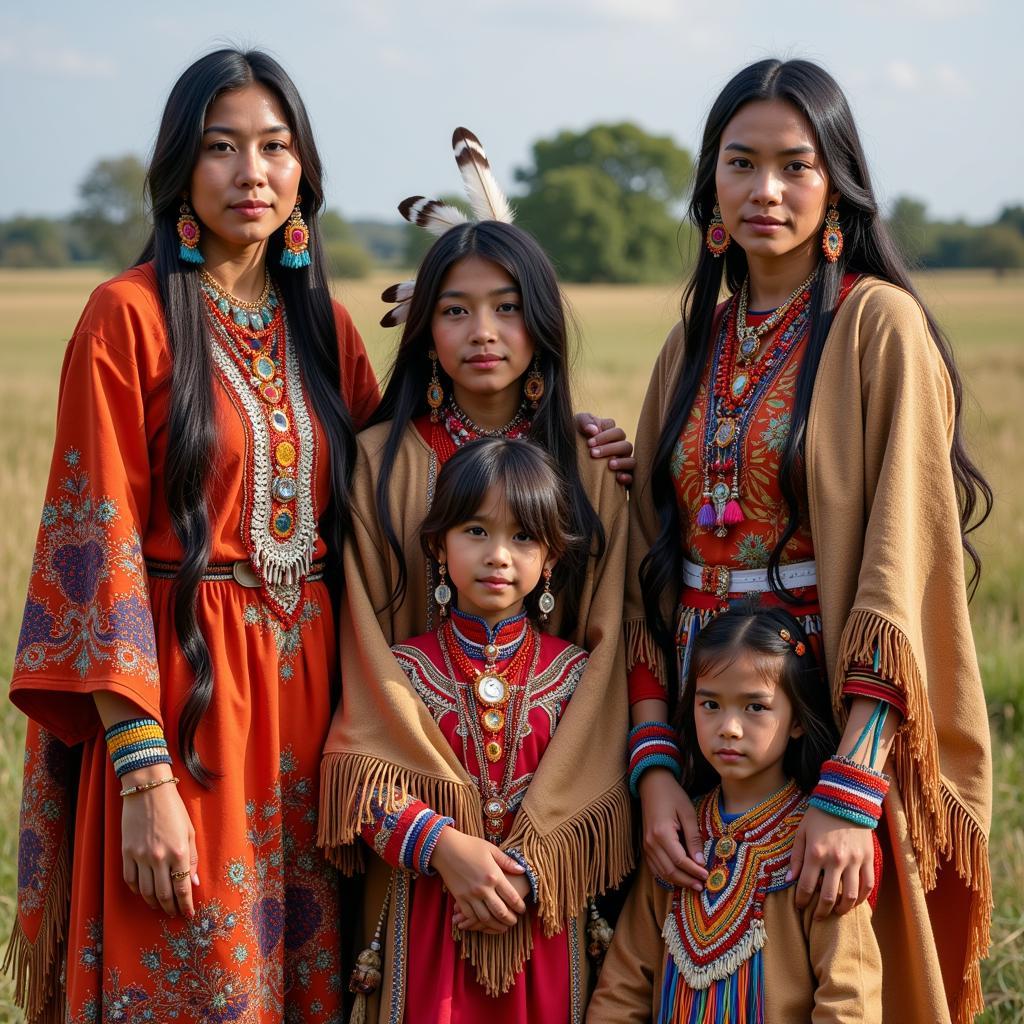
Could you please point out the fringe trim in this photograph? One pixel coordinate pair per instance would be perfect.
(642, 649)
(582, 858)
(968, 853)
(347, 784)
(942, 829)
(36, 966)
(915, 750)
(727, 963)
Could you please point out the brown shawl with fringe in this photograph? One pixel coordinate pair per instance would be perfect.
(886, 534)
(574, 823)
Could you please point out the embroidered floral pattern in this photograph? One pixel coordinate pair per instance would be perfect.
(287, 640)
(256, 959)
(88, 602)
(44, 805)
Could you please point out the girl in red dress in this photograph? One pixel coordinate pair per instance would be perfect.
(495, 686)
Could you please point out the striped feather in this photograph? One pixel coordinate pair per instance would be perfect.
(396, 316)
(432, 214)
(400, 292)
(485, 194)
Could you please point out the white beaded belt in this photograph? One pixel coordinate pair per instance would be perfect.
(721, 580)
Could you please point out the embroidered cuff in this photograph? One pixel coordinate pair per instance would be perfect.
(531, 876)
(645, 685)
(405, 836)
(850, 791)
(136, 743)
(863, 681)
(652, 744)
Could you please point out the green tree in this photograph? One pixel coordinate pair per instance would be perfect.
(1012, 217)
(33, 242)
(112, 218)
(996, 246)
(605, 202)
(908, 221)
(346, 255)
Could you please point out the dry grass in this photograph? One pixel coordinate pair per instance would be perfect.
(623, 328)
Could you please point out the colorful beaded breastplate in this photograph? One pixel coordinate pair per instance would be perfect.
(713, 938)
(260, 371)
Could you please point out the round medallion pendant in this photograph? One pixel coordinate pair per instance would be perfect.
(493, 720)
(491, 689)
(494, 751)
(720, 493)
(725, 847)
(739, 384)
(725, 433)
(279, 420)
(495, 808)
(271, 393)
(717, 880)
(282, 522)
(285, 488)
(264, 368)
(546, 602)
(442, 594)
(285, 453)
(748, 347)
(490, 651)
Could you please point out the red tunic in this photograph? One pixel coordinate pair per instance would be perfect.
(442, 987)
(264, 945)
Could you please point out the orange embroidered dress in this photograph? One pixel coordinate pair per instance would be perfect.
(264, 944)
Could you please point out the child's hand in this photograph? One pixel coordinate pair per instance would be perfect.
(844, 853)
(668, 811)
(520, 883)
(477, 875)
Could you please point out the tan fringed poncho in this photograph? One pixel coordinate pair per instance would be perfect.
(886, 532)
(574, 822)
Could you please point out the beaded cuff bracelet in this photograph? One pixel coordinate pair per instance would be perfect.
(136, 743)
(420, 840)
(531, 876)
(850, 791)
(652, 745)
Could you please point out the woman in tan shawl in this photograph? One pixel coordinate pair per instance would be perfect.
(486, 329)
(812, 451)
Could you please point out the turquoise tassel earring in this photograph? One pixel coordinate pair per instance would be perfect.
(188, 235)
(296, 240)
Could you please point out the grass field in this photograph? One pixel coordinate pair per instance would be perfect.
(623, 328)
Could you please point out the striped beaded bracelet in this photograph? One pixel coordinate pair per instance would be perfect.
(136, 743)
(850, 791)
(652, 745)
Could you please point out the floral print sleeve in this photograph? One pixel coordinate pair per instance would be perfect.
(87, 624)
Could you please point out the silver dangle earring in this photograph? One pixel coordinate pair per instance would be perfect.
(546, 601)
(442, 592)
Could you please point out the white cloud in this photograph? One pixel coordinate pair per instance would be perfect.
(28, 54)
(941, 79)
(903, 75)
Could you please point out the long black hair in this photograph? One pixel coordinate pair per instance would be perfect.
(532, 489)
(311, 325)
(757, 631)
(552, 427)
(868, 249)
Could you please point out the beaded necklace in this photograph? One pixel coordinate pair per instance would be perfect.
(493, 710)
(249, 315)
(261, 373)
(455, 429)
(736, 394)
(749, 338)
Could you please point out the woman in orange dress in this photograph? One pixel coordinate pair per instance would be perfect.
(178, 601)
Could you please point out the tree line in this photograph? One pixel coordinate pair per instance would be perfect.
(607, 204)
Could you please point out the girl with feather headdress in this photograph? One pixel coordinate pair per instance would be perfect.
(483, 353)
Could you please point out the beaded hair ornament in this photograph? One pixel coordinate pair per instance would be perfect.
(486, 199)
(798, 646)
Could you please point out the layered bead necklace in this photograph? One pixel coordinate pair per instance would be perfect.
(255, 360)
(493, 714)
(455, 429)
(739, 384)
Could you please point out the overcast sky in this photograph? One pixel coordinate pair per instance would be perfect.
(936, 85)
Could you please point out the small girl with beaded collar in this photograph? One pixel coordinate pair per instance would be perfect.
(755, 728)
(492, 688)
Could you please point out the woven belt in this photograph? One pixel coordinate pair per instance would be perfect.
(722, 581)
(241, 572)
